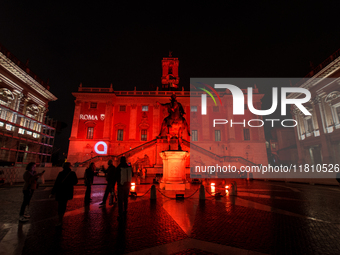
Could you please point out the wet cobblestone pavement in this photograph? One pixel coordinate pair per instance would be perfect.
(264, 218)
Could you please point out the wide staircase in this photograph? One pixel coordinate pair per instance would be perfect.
(133, 153)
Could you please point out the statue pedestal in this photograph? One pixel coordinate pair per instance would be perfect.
(174, 176)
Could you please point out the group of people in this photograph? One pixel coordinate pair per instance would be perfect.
(66, 179)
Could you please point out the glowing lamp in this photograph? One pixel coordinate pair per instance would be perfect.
(133, 184)
(213, 184)
(100, 151)
(227, 187)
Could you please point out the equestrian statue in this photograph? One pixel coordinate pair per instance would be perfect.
(174, 124)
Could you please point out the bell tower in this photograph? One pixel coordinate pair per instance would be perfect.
(170, 78)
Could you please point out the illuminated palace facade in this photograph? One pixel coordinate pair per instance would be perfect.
(26, 134)
(109, 124)
(318, 135)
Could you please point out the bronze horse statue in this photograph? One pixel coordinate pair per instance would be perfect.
(174, 125)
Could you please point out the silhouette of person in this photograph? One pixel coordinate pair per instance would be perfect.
(111, 178)
(124, 183)
(63, 189)
(88, 180)
(30, 184)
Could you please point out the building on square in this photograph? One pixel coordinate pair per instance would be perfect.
(26, 134)
(318, 135)
(109, 124)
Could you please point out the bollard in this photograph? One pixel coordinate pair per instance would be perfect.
(232, 190)
(153, 192)
(202, 192)
(235, 186)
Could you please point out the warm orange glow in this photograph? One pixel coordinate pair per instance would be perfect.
(133, 188)
(133, 184)
(212, 184)
(212, 189)
(227, 187)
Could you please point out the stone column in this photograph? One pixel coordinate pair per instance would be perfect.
(155, 121)
(133, 122)
(295, 115)
(107, 120)
(325, 145)
(76, 118)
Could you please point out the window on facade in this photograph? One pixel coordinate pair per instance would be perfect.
(194, 136)
(310, 125)
(216, 108)
(144, 135)
(246, 134)
(145, 108)
(90, 132)
(217, 135)
(170, 70)
(122, 108)
(120, 134)
(338, 112)
(193, 108)
(93, 105)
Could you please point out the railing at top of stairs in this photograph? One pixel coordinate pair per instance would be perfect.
(215, 156)
(127, 153)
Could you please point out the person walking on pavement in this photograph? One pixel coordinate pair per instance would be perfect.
(30, 184)
(63, 189)
(88, 180)
(111, 178)
(124, 182)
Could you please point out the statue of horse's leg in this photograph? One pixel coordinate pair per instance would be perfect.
(186, 125)
(180, 141)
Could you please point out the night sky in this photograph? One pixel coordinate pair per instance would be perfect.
(124, 43)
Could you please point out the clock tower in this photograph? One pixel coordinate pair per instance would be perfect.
(170, 78)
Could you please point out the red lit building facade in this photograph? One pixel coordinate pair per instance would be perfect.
(129, 122)
(26, 134)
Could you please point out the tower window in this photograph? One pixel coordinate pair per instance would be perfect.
(122, 108)
(145, 108)
(144, 135)
(93, 105)
(120, 135)
(90, 132)
(246, 134)
(217, 135)
(194, 136)
(193, 108)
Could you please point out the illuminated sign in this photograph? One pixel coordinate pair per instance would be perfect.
(91, 117)
(96, 149)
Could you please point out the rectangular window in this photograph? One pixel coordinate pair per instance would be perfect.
(338, 113)
(217, 135)
(145, 108)
(90, 132)
(120, 134)
(122, 108)
(246, 134)
(216, 108)
(144, 135)
(310, 125)
(193, 108)
(194, 136)
(93, 105)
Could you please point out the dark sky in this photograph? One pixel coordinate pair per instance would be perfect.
(123, 43)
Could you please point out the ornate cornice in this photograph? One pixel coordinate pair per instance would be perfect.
(25, 78)
(331, 96)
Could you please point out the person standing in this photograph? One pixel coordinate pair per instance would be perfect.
(124, 182)
(30, 183)
(88, 179)
(111, 178)
(63, 189)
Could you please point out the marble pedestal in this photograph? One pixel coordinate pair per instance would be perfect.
(174, 176)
